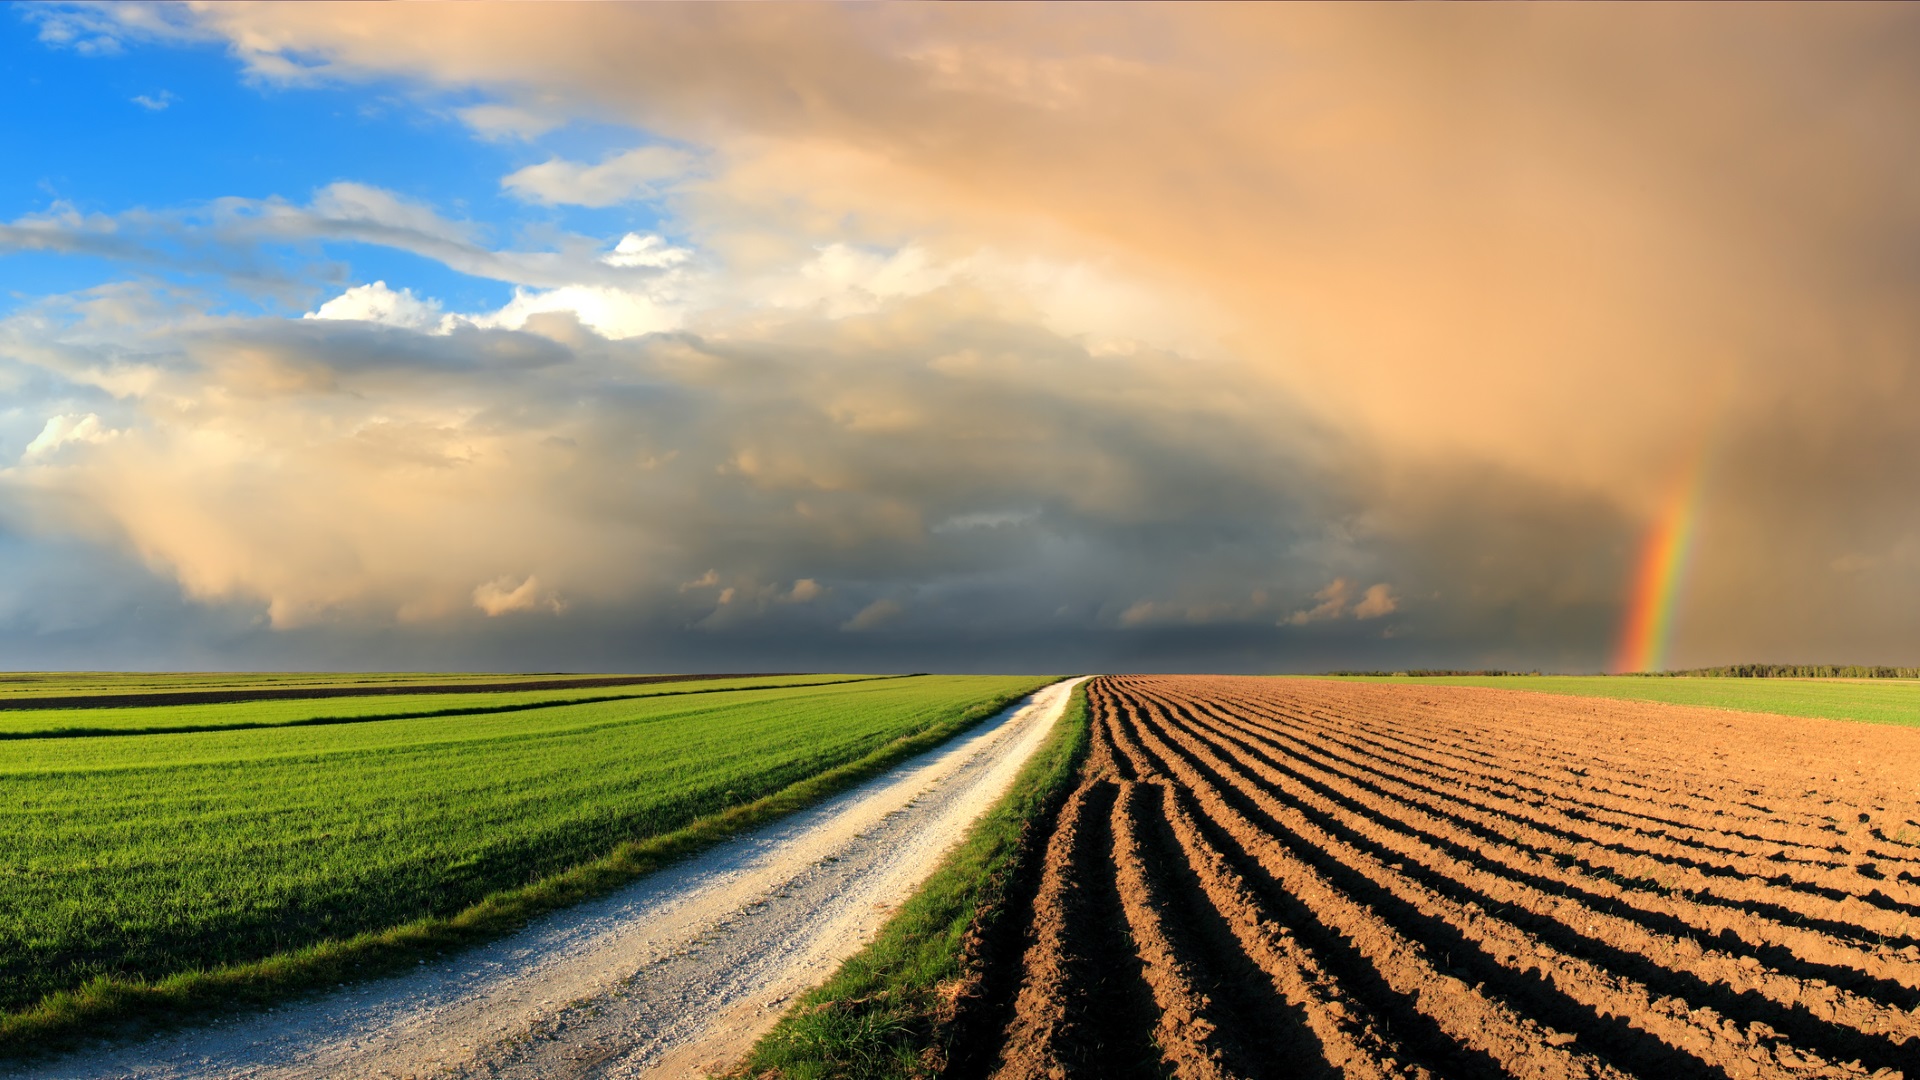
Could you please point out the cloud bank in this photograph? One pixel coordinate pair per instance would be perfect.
(1143, 336)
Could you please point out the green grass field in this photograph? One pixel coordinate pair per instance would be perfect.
(133, 858)
(25, 684)
(1879, 701)
(132, 719)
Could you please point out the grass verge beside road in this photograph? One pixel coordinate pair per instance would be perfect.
(885, 1013)
(1878, 701)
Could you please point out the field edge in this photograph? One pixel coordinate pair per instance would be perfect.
(1847, 701)
(888, 1010)
(119, 1008)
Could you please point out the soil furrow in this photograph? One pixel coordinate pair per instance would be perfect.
(1188, 1029)
(1043, 1003)
(1813, 846)
(1535, 857)
(1703, 797)
(1567, 989)
(1280, 877)
(1847, 1026)
(1641, 802)
(1636, 855)
(1083, 1009)
(1360, 997)
(1714, 806)
(1350, 1038)
(1518, 1045)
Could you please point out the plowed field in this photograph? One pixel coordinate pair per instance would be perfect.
(1289, 877)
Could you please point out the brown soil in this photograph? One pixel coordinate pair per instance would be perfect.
(1290, 877)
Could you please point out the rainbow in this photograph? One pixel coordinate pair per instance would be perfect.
(1656, 581)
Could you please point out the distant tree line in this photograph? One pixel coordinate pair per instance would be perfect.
(1801, 671)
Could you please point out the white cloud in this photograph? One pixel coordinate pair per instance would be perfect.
(1336, 601)
(66, 429)
(496, 121)
(635, 174)
(986, 519)
(368, 214)
(610, 312)
(89, 33)
(842, 279)
(225, 235)
(378, 304)
(1162, 613)
(1092, 303)
(334, 475)
(650, 305)
(875, 614)
(502, 595)
(642, 284)
(1332, 603)
(365, 204)
(154, 102)
(1379, 600)
(641, 249)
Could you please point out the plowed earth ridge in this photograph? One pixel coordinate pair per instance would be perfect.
(1265, 878)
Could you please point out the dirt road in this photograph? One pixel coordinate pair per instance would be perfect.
(673, 975)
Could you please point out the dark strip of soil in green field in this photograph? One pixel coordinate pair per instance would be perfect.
(427, 714)
(285, 693)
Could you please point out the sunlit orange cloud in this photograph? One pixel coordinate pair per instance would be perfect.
(1523, 245)
(1490, 229)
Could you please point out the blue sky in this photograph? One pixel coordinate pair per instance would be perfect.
(78, 134)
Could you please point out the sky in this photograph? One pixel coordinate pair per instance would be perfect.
(958, 337)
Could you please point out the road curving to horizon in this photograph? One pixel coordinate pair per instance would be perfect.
(674, 975)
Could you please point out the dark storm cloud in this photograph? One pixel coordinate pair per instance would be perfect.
(935, 478)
